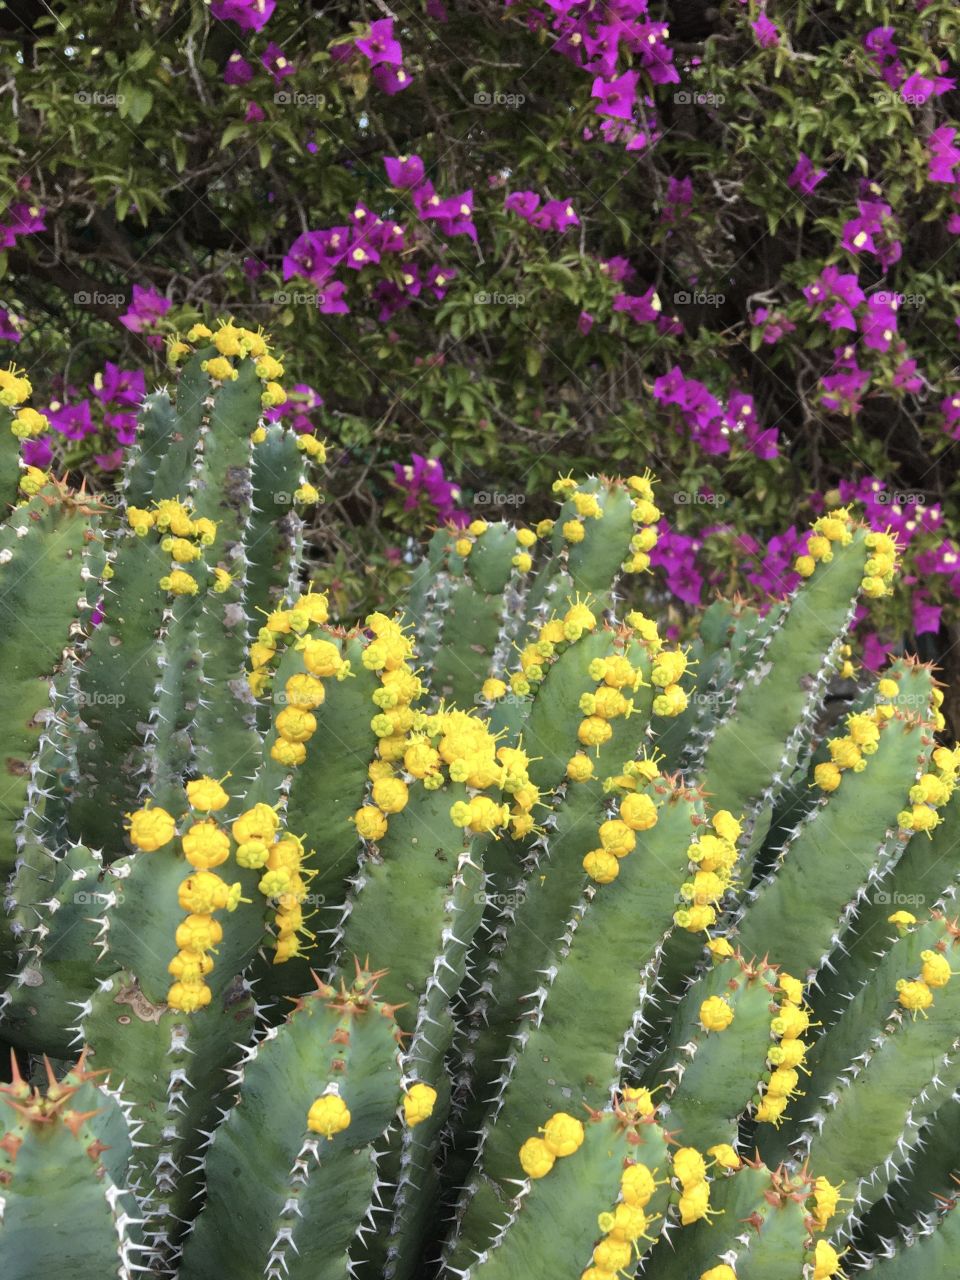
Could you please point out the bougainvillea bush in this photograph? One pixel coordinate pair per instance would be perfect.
(512, 236)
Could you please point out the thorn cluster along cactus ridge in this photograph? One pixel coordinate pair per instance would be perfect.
(495, 937)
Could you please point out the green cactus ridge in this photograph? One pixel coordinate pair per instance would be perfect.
(487, 938)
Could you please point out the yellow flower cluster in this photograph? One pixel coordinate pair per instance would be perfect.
(26, 424)
(321, 657)
(916, 994)
(931, 792)
(562, 1136)
(636, 811)
(837, 526)
(850, 750)
(262, 846)
(522, 561)
(690, 1170)
(826, 1261)
(646, 514)
(669, 666)
(234, 342)
(552, 638)
(608, 702)
(418, 1103)
(715, 1014)
(713, 859)
(183, 539)
(825, 1198)
(786, 1056)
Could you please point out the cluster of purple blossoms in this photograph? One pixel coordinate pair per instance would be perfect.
(144, 312)
(20, 220)
(806, 177)
(383, 54)
(249, 15)
(913, 88)
(598, 39)
(765, 31)
(367, 240)
(774, 324)
(554, 215)
(873, 231)
(711, 424)
(109, 413)
(423, 480)
(679, 200)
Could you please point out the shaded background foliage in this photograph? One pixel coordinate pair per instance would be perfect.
(637, 331)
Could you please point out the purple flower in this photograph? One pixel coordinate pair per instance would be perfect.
(391, 80)
(906, 378)
(616, 96)
(679, 199)
(380, 47)
(249, 15)
(438, 280)
(842, 391)
(9, 332)
(676, 554)
(404, 172)
(38, 452)
(523, 203)
(805, 178)
(872, 232)
(617, 268)
(145, 310)
(123, 426)
(775, 324)
(879, 324)
(944, 156)
(765, 32)
(916, 89)
(926, 616)
(556, 215)
(254, 113)
(238, 70)
(276, 62)
(423, 478)
(585, 322)
(21, 220)
(74, 421)
(455, 216)
(122, 387)
(330, 301)
(643, 309)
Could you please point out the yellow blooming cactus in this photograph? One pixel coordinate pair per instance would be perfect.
(25, 424)
(713, 859)
(785, 1056)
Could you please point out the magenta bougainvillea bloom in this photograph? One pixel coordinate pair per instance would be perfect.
(274, 60)
(254, 113)
(916, 89)
(381, 46)
(424, 479)
(238, 70)
(523, 203)
(391, 80)
(805, 177)
(249, 15)
(39, 452)
(20, 220)
(9, 330)
(642, 309)
(765, 31)
(679, 199)
(404, 171)
(556, 215)
(75, 421)
(585, 322)
(121, 387)
(302, 400)
(944, 156)
(873, 231)
(842, 392)
(330, 300)
(616, 97)
(878, 324)
(775, 324)
(145, 309)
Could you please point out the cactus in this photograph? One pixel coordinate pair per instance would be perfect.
(467, 942)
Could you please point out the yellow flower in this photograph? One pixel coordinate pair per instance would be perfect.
(151, 828)
(205, 845)
(536, 1158)
(187, 997)
(601, 866)
(206, 794)
(370, 823)
(328, 1115)
(33, 480)
(418, 1103)
(563, 1134)
(219, 369)
(715, 1014)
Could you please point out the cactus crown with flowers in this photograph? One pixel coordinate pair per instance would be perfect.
(495, 937)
